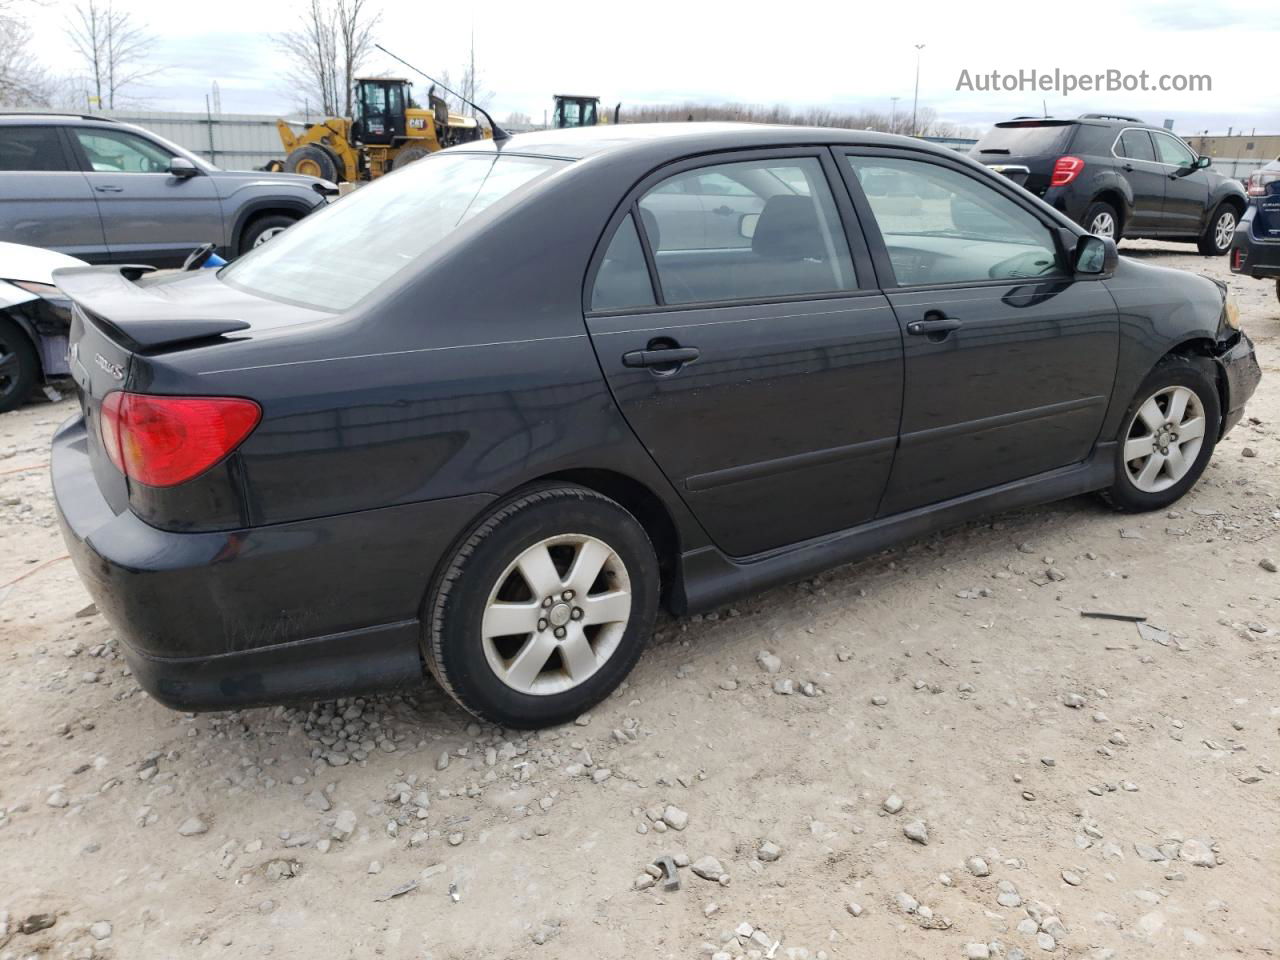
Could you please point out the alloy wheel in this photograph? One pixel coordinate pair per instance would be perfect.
(557, 614)
(1104, 225)
(267, 234)
(1164, 439)
(1224, 229)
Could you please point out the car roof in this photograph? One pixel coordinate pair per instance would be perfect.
(683, 139)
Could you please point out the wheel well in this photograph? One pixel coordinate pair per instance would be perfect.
(1204, 347)
(1117, 202)
(1236, 204)
(643, 504)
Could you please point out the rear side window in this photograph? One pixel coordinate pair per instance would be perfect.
(1172, 151)
(1136, 145)
(1024, 139)
(31, 150)
(334, 258)
(623, 278)
(747, 231)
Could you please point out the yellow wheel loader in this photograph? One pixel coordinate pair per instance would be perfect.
(388, 131)
(579, 110)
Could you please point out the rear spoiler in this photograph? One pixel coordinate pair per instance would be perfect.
(140, 318)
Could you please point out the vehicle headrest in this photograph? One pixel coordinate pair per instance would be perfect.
(651, 229)
(788, 229)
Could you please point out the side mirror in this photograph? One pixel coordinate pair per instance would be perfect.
(747, 225)
(1095, 256)
(1202, 162)
(182, 168)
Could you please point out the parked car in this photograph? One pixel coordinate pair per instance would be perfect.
(110, 192)
(35, 318)
(1118, 177)
(493, 435)
(1255, 249)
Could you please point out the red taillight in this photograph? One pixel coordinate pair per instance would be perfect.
(1065, 170)
(163, 441)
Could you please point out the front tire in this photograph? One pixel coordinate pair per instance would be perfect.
(1167, 435)
(263, 229)
(1216, 239)
(312, 160)
(19, 366)
(543, 608)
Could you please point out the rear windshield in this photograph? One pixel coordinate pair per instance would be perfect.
(337, 256)
(1024, 140)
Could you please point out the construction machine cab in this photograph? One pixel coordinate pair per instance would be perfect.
(575, 111)
(380, 109)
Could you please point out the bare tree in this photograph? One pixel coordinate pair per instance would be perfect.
(115, 50)
(328, 48)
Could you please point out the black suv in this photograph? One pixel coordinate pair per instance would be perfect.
(1118, 177)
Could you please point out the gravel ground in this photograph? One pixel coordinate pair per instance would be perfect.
(927, 754)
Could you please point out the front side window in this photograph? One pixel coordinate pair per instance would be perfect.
(942, 226)
(336, 257)
(1136, 145)
(114, 151)
(1173, 151)
(750, 230)
(31, 150)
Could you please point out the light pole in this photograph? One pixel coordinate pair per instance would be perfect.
(915, 103)
(893, 114)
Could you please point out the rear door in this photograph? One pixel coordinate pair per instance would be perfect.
(762, 373)
(1137, 158)
(148, 214)
(1009, 360)
(1186, 194)
(45, 201)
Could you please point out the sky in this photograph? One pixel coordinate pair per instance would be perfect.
(841, 56)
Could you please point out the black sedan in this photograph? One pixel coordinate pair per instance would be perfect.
(482, 417)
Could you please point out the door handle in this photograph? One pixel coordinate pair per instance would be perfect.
(105, 188)
(935, 326)
(667, 357)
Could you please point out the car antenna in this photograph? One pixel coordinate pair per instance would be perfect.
(498, 133)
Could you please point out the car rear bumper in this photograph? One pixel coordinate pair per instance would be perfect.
(1259, 259)
(210, 621)
(1241, 374)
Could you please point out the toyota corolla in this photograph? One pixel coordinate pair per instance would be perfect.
(483, 417)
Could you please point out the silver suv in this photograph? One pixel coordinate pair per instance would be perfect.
(110, 192)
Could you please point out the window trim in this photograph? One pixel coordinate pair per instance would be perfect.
(994, 181)
(1153, 133)
(860, 255)
(68, 158)
(1123, 156)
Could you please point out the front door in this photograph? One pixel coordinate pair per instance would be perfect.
(149, 215)
(1186, 189)
(763, 375)
(45, 201)
(1009, 360)
(1137, 157)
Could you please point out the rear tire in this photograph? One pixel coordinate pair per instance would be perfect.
(312, 161)
(1167, 435)
(19, 366)
(543, 608)
(1101, 219)
(1216, 239)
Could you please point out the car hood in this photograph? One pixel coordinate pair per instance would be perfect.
(32, 264)
(231, 180)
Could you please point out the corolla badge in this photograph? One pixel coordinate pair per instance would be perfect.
(114, 369)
